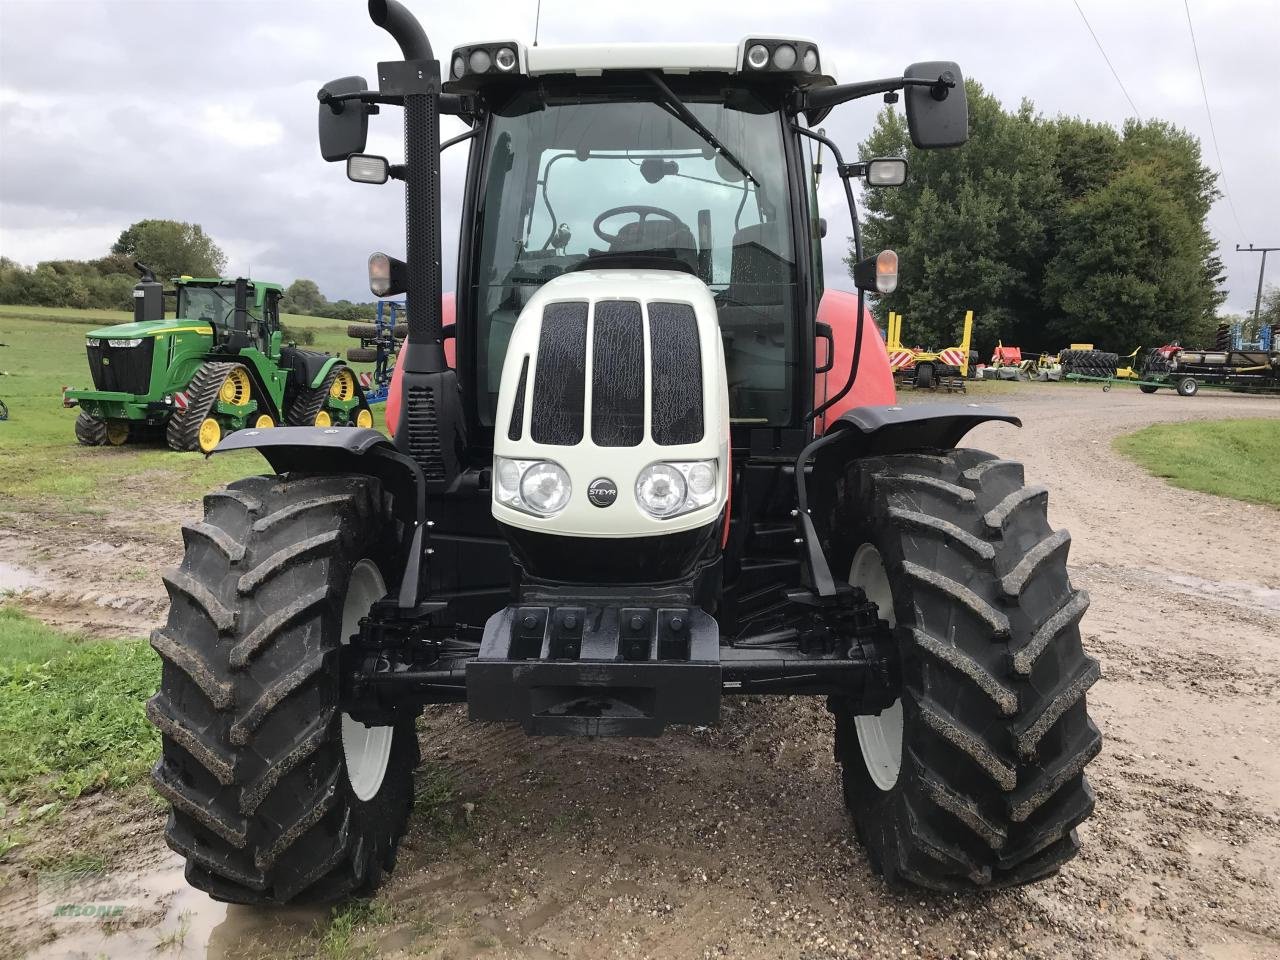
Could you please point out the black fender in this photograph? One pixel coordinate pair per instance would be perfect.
(874, 431)
(336, 450)
(868, 432)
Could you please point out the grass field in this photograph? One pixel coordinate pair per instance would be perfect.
(39, 458)
(72, 711)
(1230, 458)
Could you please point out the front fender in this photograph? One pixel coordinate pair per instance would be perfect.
(873, 431)
(345, 450)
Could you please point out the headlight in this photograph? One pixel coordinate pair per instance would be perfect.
(784, 58)
(533, 486)
(459, 68)
(123, 343)
(811, 60)
(505, 58)
(758, 56)
(480, 61)
(669, 489)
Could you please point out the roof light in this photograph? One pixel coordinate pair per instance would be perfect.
(480, 61)
(459, 67)
(784, 58)
(505, 59)
(758, 56)
(811, 60)
(367, 168)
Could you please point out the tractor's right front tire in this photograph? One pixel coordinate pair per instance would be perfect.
(276, 795)
(974, 777)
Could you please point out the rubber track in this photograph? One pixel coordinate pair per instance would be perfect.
(183, 429)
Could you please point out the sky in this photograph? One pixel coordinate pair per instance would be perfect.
(113, 111)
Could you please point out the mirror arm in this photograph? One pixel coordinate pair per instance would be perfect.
(848, 190)
(452, 104)
(824, 98)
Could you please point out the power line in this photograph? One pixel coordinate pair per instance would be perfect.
(1222, 171)
(1108, 59)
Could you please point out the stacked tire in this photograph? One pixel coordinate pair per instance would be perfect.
(1088, 363)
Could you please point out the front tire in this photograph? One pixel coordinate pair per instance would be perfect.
(1188, 387)
(276, 795)
(992, 732)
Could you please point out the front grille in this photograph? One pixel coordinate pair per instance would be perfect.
(122, 369)
(424, 432)
(676, 368)
(559, 383)
(617, 374)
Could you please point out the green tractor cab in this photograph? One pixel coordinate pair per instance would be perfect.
(217, 366)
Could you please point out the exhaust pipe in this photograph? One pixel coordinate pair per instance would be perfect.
(432, 427)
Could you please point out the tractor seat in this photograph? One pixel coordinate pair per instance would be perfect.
(658, 237)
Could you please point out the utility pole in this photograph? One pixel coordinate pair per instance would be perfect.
(1257, 302)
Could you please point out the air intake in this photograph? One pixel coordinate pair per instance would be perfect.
(560, 378)
(617, 374)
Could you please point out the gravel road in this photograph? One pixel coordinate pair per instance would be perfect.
(732, 842)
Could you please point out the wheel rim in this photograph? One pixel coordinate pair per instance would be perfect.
(879, 737)
(365, 749)
(344, 386)
(364, 419)
(210, 434)
(236, 389)
(264, 422)
(117, 432)
(323, 419)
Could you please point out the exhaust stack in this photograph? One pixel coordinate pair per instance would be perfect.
(432, 428)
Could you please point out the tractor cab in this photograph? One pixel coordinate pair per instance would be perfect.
(242, 313)
(651, 157)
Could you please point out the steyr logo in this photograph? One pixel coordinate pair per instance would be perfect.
(602, 492)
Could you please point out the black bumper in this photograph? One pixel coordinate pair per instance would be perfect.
(597, 670)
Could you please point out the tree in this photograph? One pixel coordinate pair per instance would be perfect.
(302, 296)
(969, 226)
(171, 248)
(1270, 308)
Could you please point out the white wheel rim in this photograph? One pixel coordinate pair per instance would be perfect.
(880, 737)
(366, 749)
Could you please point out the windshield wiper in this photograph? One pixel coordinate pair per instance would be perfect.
(682, 112)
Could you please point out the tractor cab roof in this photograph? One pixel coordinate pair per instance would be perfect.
(782, 61)
(188, 281)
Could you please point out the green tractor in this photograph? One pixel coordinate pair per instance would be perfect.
(217, 366)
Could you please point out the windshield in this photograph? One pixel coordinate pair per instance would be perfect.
(206, 303)
(567, 181)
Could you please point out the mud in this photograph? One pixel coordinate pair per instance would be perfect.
(731, 842)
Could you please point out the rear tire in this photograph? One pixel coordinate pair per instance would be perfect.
(1147, 388)
(924, 376)
(277, 796)
(994, 733)
(1188, 387)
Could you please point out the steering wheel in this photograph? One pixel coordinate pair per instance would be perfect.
(643, 211)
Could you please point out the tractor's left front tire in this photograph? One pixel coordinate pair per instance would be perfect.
(94, 431)
(276, 795)
(974, 777)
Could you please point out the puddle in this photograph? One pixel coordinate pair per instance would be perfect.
(1235, 591)
(160, 916)
(13, 578)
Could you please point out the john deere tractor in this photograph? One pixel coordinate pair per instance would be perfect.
(650, 479)
(217, 366)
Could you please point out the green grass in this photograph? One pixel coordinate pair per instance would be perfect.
(343, 940)
(72, 711)
(1229, 458)
(40, 461)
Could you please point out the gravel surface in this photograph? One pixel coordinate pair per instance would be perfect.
(732, 842)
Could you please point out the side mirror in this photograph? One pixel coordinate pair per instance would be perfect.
(937, 112)
(886, 172)
(367, 168)
(878, 274)
(344, 126)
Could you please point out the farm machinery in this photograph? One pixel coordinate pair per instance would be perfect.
(217, 366)
(380, 343)
(1234, 362)
(928, 369)
(613, 508)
